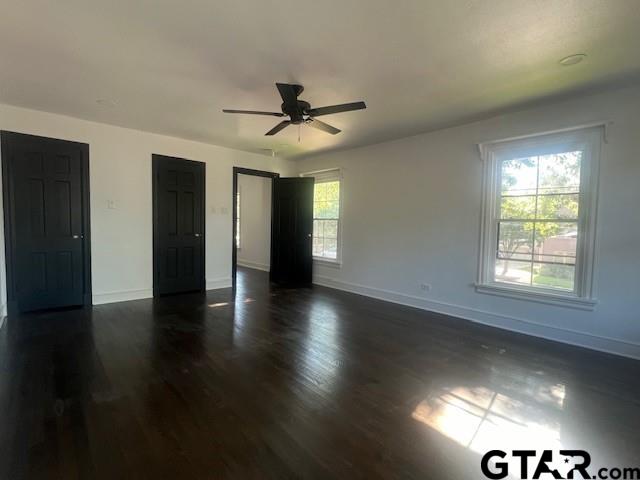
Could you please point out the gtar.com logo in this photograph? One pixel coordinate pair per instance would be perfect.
(565, 464)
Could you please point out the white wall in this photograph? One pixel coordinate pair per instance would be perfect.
(120, 170)
(255, 222)
(412, 214)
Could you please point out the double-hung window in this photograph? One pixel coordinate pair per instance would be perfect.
(326, 216)
(539, 206)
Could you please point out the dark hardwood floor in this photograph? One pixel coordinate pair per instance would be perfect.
(309, 383)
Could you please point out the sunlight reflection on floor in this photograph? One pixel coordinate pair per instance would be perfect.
(224, 304)
(481, 419)
(322, 356)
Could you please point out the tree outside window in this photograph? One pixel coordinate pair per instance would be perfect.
(326, 216)
(538, 221)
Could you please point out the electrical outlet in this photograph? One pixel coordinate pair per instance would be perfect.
(425, 287)
(111, 204)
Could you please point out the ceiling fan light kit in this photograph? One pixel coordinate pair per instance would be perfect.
(300, 112)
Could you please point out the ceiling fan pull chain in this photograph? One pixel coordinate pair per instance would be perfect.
(299, 133)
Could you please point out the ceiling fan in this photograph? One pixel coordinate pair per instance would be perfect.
(300, 112)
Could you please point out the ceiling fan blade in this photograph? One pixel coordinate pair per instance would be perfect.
(252, 112)
(278, 127)
(288, 93)
(345, 107)
(325, 127)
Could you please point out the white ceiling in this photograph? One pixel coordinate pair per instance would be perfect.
(171, 66)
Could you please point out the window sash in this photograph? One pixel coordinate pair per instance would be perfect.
(559, 148)
(328, 176)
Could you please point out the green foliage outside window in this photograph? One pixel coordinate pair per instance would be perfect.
(539, 201)
(326, 213)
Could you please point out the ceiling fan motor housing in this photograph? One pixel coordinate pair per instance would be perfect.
(296, 112)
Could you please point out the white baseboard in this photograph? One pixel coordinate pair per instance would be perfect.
(127, 295)
(216, 283)
(121, 296)
(528, 327)
(255, 265)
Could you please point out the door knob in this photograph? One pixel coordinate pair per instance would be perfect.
(197, 234)
(75, 237)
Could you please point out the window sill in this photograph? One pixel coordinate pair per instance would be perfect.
(327, 263)
(549, 298)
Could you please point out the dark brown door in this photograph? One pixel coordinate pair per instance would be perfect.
(178, 225)
(47, 221)
(292, 231)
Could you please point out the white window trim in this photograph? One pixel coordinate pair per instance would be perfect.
(589, 141)
(330, 175)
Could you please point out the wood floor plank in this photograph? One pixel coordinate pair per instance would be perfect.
(278, 383)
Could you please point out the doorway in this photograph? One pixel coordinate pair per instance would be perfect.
(291, 227)
(47, 222)
(252, 222)
(178, 225)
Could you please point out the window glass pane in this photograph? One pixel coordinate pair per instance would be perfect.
(554, 276)
(515, 240)
(519, 207)
(333, 208)
(519, 176)
(560, 173)
(330, 248)
(326, 209)
(319, 209)
(320, 192)
(317, 247)
(556, 242)
(513, 271)
(332, 191)
(330, 228)
(558, 206)
(318, 230)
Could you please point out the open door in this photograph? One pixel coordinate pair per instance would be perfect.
(292, 231)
